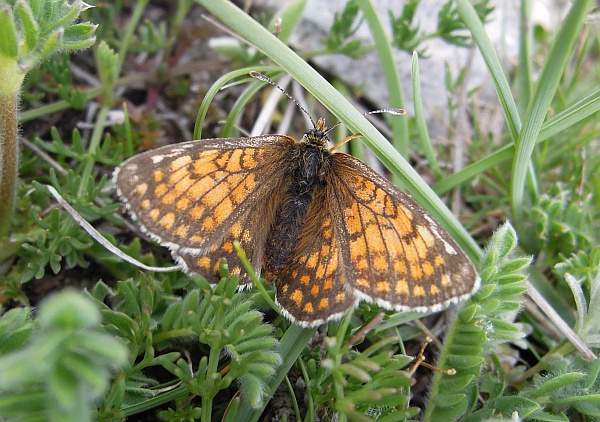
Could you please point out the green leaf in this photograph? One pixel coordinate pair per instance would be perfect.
(79, 36)
(68, 310)
(448, 400)
(52, 44)
(15, 329)
(507, 407)
(30, 27)
(553, 384)
(67, 13)
(9, 44)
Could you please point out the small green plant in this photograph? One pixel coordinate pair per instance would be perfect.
(60, 364)
(235, 346)
(32, 31)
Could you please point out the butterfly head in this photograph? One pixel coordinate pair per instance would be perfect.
(317, 137)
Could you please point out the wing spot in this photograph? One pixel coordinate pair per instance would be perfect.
(160, 189)
(353, 223)
(247, 235)
(363, 282)
(197, 212)
(380, 264)
(376, 243)
(438, 261)
(416, 271)
(167, 220)
(248, 160)
(426, 235)
(428, 269)
(208, 224)
(204, 166)
(184, 184)
(236, 230)
(239, 194)
(297, 297)
(421, 247)
(418, 291)
(169, 198)
(141, 189)
(201, 187)
(204, 263)
(181, 231)
(180, 162)
(222, 159)
(382, 286)
(223, 210)
(215, 196)
(400, 267)
(233, 164)
(182, 204)
(158, 175)
(402, 287)
(154, 214)
(361, 263)
(323, 304)
(312, 261)
(359, 246)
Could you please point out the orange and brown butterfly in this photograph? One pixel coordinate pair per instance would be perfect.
(328, 230)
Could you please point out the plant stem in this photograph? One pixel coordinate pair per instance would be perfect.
(11, 78)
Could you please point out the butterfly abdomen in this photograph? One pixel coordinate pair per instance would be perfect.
(308, 166)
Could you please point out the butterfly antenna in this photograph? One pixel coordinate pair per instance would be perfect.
(393, 111)
(263, 78)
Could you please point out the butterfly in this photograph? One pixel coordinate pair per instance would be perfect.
(327, 229)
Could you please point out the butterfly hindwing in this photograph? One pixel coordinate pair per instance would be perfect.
(312, 287)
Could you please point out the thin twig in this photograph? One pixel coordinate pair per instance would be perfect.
(571, 335)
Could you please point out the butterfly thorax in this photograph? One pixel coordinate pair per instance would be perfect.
(309, 162)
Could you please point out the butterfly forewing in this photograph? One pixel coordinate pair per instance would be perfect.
(397, 255)
(197, 197)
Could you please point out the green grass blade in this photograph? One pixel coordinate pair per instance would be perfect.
(471, 20)
(428, 149)
(390, 73)
(545, 89)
